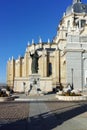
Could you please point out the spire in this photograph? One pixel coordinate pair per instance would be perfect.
(9, 59)
(26, 49)
(19, 56)
(32, 41)
(28, 43)
(40, 40)
(12, 58)
(76, 1)
(48, 40)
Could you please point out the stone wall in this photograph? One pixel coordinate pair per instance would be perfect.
(23, 84)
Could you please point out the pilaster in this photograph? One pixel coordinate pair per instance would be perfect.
(45, 63)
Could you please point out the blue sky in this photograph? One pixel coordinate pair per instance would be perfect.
(24, 20)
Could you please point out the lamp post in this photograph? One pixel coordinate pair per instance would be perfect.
(83, 59)
(83, 72)
(72, 78)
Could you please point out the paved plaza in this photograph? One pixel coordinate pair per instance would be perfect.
(43, 114)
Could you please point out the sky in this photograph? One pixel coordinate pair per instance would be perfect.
(24, 20)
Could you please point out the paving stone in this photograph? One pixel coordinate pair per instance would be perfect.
(43, 115)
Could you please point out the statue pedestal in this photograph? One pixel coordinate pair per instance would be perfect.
(34, 83)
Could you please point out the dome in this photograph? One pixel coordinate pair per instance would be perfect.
(77, 7)
(69, 10)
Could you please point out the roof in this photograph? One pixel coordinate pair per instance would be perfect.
(48, 49)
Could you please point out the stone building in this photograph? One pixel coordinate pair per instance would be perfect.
(19, 71)
(62, 61)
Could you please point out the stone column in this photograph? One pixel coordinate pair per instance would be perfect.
(40, 65)
(45, 63)
(26, 64)
(19, 73)
(29, 65)
(56, 74)
(11, 72)
(8, 72)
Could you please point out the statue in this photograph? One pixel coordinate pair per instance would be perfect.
(35, 58)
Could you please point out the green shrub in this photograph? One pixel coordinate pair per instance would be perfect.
(3, 94)
(68, 93)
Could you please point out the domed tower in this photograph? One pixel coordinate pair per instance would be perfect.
(73, 18)
(72, 27)
(76, 44)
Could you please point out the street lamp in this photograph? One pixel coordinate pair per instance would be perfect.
(83, 72)
(72, 79)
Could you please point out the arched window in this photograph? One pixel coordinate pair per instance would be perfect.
(83, 23)
(68, 23)
(50, 68)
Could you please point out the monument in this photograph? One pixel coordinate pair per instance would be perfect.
(34, 78)
(34, 66)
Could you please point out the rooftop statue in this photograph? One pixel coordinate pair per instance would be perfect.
(76, 1)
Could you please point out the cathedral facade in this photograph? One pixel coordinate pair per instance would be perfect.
(62, 61)
(20, 70)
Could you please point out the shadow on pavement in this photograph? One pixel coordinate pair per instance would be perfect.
(17, 125)
(46, 121)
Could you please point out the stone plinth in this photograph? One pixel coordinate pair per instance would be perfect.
(46, 84)
(34, 84)
(40, 85)
(21, 84)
